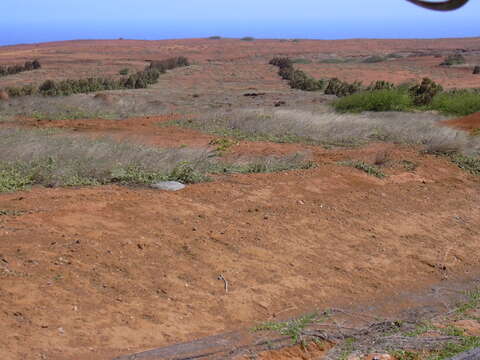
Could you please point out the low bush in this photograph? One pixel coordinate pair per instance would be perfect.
(342, 88)
(456, 59)
(459, 103)
(476, 70)
(124, 71)
(380, 85)
(374, 59)
(248, 38)
(138, 80)
(366, 168)
(377, 100)
(215, 37)
(169, 64)
(15, 69)
(281, 62)
(423, 93)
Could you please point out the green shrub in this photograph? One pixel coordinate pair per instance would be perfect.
(380, 85)
(248, 38)
(281, 62)
(124, 71)
(423, 94)
(476, 70)
(139, 80)
(15, 69)
(459, 103)
(168, 64)
(342, 88)
(377, 100)
(456, 59)
(300, 80)
(374, 59)
(215, 37)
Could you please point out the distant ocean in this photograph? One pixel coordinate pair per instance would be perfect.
(32, 33)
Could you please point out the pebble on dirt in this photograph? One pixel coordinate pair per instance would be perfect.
(168, 185)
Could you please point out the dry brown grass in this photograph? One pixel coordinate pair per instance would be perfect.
(52, 158)
(341, 129)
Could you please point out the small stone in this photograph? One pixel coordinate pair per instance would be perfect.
(379, 357)
(168, 185)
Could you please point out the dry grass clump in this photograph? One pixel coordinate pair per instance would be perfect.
(337, 129)
(53, 158)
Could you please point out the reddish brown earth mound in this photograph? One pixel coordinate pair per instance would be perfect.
(470, 123)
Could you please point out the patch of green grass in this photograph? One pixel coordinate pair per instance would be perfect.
(374, 59)
(467, 163)
(405, 355)
(124, 71)
(222, 144)
(13, 179)
(335, 61)
(264, 166)
(301, 61)
(460, 103)
(293, 328)
(421, 329)
(378, 100)
(409, 165)
(451, 349)
(70, 113)
(348, 347)
(363, 166)
(472, 303)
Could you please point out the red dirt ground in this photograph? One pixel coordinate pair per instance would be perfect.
(92, 273)
(469, 123)
(86, 58)
(96, 272)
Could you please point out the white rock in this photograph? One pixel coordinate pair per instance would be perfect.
(168, 185)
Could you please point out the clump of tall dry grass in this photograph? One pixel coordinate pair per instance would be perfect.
(338, 129)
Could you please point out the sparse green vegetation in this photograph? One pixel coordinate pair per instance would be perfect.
(301, 61)
(15, 69)
(124, 71)
(458, 103)
(31, 157)
(293, 328)
(374, 59)
(455, 59)
(342, 88)
(214, 37)
(367, 168)
(423, 93)
(139, 80)
(247, 38)
(377, 100)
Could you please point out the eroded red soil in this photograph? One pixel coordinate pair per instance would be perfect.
(91, 273)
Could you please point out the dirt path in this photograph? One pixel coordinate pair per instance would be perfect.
(92, 273)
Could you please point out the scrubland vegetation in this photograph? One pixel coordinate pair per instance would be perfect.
(15, 69)
(139, 80)
(385, 96)
(53, 158)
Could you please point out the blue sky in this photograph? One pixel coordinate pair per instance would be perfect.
(27, 21)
